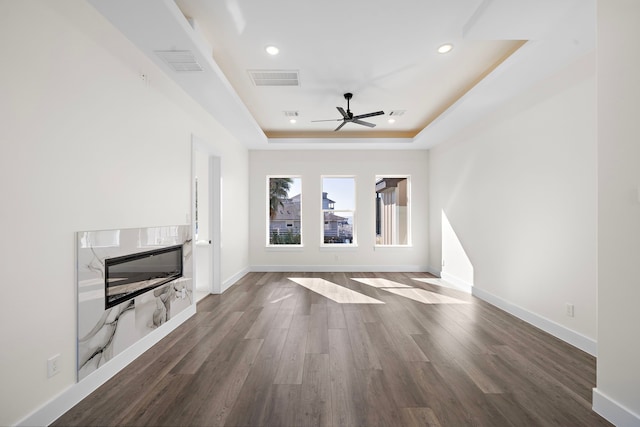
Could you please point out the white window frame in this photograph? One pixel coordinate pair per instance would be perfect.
(268, 217)
(354, 240)
(408, 209)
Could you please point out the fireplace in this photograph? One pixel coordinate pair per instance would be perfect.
(128, 276)
(130, 283)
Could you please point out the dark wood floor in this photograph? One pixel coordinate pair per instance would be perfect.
(271, 352)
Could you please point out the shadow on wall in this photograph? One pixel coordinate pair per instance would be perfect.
(456, 265)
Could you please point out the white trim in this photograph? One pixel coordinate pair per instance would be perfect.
(284, 248)
(341, 268)
(435, 271)
(214, 165)
(574, 338)
(233, 279)
(329, 247)
(69, 397)
(613, 411)
(457, 283)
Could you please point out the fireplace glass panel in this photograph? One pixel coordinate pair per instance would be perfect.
(131, 275)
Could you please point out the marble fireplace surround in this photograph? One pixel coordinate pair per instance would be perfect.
(103, 334)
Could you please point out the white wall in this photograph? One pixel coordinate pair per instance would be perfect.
(617, 395)
(519, 191)
(364, 165)
(86, 144)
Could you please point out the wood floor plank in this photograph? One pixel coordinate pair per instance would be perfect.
(318, 336)
(270, 352)
(192, 361)
(251, 407)
(283, 405)
(364, 354)
(291, 364)
(154, 408)
(478, 408)
(420, 417)
(403, 342)
(397, 378)
(335, 316)
(263, 322)
(381, 408)
(439, 396)
(315, 400)
(348, 399)
(217, 387)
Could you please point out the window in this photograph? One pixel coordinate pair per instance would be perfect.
(338, 210)
(392, 210)
(284, 203)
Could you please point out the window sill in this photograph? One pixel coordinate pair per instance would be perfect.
(390, 247)
(338, 247)
(284, 248)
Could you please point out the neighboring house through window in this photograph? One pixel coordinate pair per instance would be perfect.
(284, 210)
(338, 210)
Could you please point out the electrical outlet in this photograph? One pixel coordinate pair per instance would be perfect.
(53, 365)
(569, 309)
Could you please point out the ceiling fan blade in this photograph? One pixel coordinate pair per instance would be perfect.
(341, 124)
(362, 116)
(360, 122)
(329, 120)
(344, 113)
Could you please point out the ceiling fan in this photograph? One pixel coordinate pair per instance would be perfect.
(348, 117)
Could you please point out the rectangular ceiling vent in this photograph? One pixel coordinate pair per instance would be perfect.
(291, 114)
(180, 61)
(397, 112)
(274, 77)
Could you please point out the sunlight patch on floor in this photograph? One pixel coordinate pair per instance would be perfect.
(416, 294)
(334, 292)
(380, 283)
(438, 282)
(281, 298)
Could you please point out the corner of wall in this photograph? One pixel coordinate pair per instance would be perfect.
(613, 411)
(233, 279)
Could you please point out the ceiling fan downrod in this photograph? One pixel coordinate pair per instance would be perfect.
(348, 97)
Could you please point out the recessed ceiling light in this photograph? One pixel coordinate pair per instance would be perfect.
(292, 121)
(445, 48)
(391, 120)
(272, 50)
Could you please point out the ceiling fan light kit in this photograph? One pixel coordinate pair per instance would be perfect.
(348, 117)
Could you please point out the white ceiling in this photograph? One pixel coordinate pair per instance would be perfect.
(383, 52)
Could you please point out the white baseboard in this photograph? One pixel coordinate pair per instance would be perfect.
(341, 268)
(68, 398)
(233, 279)
(574, 338)
(613, 411)
(457, 282)
(435, 271)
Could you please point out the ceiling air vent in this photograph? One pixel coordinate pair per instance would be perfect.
(291, 114)
(180, 60)
(397, 112)
(274, 77)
